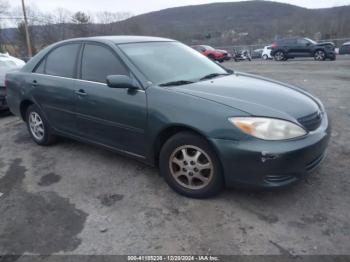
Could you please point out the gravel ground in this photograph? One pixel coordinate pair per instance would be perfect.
(73, 198)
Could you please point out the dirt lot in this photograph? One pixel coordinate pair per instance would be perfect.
(73, 198)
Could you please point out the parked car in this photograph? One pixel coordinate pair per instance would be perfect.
(257, 53)
(7, 57)
(163, 103)
(7, 63)
(286, 48)
(212, 53)
(242, 55)
(266, 54)
(345, 49)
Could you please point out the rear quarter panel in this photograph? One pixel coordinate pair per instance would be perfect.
(16, 90)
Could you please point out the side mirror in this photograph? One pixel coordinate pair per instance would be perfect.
(120, 81)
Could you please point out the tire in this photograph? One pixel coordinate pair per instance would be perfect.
(265, 57)
(280, 56)
(38, 127)
(320, 55)
(211, 57)
(193, 177)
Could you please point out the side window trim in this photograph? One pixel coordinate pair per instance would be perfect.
(42, 61)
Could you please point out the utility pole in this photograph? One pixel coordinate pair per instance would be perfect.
(29, 46)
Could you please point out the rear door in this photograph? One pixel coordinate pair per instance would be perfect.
(114, 117)
(53, 84)
(291, 46)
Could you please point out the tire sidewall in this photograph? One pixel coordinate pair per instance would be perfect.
(187, 138)
(324, 55)
(46, 138)
(282, 59)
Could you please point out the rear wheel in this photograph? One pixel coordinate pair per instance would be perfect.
(38, 126)
(265, 57)
(190, 166)
(320, 55)
(280, 56)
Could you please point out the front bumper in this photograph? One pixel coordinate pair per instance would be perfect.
(271, 164)
(330, 54)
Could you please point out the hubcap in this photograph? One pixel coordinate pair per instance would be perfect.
(36, 125)
(319, 55)
(191, 167)
(279, 56)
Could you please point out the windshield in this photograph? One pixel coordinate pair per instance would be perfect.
(208, 47)
(163, 62)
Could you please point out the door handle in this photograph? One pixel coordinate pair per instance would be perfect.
(34, 83)
(80, 92)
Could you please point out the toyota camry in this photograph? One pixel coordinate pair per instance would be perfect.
(163, 103)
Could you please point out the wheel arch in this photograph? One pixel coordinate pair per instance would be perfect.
(23, 108)
(318, 49)
(166, 133)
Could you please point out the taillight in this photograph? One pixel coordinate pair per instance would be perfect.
(274, 45)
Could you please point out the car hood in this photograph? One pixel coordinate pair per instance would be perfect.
(255, 95)
(325, 43)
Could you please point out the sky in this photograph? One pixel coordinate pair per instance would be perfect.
(144, 6)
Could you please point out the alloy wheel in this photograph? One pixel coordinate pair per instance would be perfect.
(279, 56)
(36, 126)
(319, 55)
(191, 167)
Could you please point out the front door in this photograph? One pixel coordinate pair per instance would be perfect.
(114, 117)
(302, 47)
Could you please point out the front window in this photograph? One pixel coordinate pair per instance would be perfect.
(163, 62)
(98, 62)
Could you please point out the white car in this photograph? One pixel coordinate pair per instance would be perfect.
(7, 64)
(266, 54)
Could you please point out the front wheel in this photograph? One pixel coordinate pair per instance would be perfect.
(190, 166)
(320, 55)
(38, 126)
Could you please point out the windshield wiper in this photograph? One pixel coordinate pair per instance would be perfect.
(210, 76)
(177, 83)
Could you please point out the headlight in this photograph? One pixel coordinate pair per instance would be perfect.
(268, 128)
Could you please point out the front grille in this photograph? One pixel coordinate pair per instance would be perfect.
(311, 122)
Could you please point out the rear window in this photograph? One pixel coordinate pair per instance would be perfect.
(61, 61)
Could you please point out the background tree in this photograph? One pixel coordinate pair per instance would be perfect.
(4, 6)
(81, 23)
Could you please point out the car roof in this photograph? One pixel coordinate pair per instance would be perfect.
(124, 39)
(347, 43)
